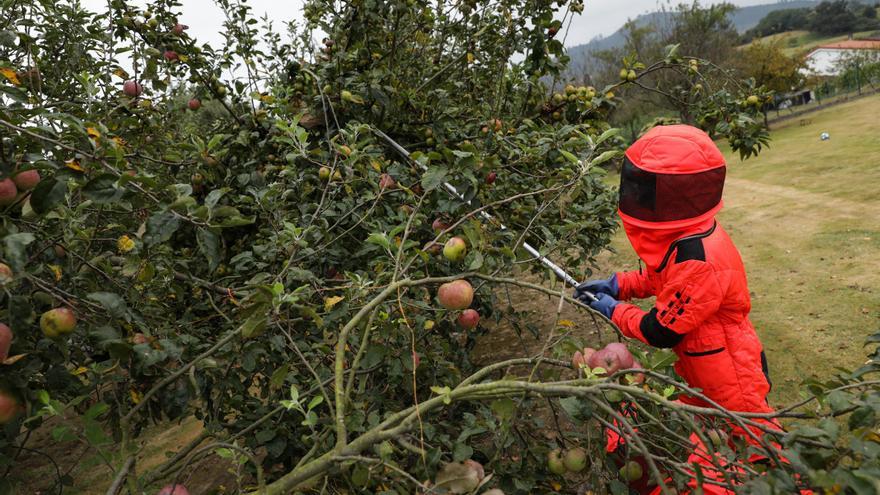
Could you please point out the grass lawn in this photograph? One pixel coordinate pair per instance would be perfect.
(804, 215)
(801, 42)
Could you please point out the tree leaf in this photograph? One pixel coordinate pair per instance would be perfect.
(114, 304)
(48, 194)
(379, 239)
(102, 189)
(434, 177)
(209, 245)
(160, 228)
(15, 247)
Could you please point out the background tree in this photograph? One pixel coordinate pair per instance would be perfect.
(833, 17)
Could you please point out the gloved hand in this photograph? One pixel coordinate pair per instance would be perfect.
(606, 286)
(605, 304)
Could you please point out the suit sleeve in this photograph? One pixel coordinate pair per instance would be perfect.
(633, 285)
(692, 293)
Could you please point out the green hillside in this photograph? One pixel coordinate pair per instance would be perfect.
(799, 42)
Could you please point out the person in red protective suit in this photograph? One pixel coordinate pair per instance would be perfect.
(670, 191)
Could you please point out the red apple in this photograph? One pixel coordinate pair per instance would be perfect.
(9, 407)
(5, 341)
(179, 28)
(8, 192)
(176, 489)
(458, 294)
(606, 359)
(139, 338)
(637, 378)
(26, 180)
(132, 88)
(490, 177)
(170, 55)
(439, 225)
(194, 104)
(387, 182)
(468, 319)
(582, 357)
(623, 354)
(5, 274)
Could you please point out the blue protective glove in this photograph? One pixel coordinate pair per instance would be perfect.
(605, 304)
(606, 286)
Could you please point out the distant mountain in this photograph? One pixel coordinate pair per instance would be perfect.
(744, 18)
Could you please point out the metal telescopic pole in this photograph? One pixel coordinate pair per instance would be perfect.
(562, 274)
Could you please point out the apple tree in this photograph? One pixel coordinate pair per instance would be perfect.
(264, 235)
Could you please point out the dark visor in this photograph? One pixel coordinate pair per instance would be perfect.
(654, 197)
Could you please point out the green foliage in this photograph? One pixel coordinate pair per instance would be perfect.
(216, 271)
(779, 21)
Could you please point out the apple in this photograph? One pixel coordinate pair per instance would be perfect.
(179, 28)
(8, 192)
(8, 407)
(458, 294)
(139, 338)
(624, 74)
(324, 173)
(468, 319)
(631, 471)
(60, 252)
(5, 341)
(605, 359)
(170, 55)
(476, 467)
(132, 88)
(455, 249)
(490, 177)
(387, 182)
(497, 124)
(57, 321)
(416, 359)
(26, 180)
(554, 462)
(623, 354)
(552, 30)
(5, 274)
(575, 460)
(176, 489)
(194, 104)
(636, 378)
(439, 225)
(753, 100)
(581, 358)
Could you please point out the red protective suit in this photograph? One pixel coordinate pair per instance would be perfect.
(670, 191)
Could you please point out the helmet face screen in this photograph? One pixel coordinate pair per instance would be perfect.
(656, 197)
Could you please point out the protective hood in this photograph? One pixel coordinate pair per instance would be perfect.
(652, 244)
(670, 187)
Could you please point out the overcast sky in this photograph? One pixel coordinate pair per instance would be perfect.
(600, 17)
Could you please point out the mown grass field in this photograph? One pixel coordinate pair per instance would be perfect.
(804, 215)
(801, 42)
